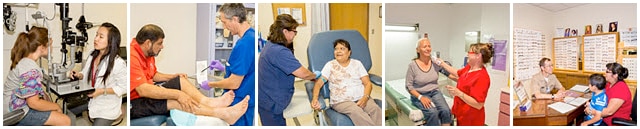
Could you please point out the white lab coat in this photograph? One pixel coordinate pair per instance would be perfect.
(107, 106)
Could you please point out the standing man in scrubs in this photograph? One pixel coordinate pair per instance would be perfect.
(239, 76)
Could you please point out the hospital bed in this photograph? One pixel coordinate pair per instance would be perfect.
(399, 100)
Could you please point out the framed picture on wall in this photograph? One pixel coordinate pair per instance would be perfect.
(567, 32)
(574, 32)
(599, 29)
(613, 26)
(587, 29)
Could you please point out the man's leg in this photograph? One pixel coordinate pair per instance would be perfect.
(228, 114)
(185, 86)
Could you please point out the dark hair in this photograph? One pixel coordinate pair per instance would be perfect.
(234, 9)
(486, 49)
(544, 59)
(343, 42)
(149, 32)
(598, 81)
(616, 68)
(283, 21)
(27, 43)
(113, 47)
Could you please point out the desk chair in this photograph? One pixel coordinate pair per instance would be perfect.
(319, 52)
(12, 118)
(634, 115)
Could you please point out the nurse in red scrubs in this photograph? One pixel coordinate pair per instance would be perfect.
(473, 85)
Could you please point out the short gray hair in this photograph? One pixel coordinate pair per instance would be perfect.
(234, 9)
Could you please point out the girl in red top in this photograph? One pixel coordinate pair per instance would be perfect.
(473, 85)
(618, 93)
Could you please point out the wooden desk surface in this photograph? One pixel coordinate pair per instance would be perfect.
(541, 114)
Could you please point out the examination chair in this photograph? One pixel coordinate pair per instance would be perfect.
(319, 52)
(634, 115)
(399, 102)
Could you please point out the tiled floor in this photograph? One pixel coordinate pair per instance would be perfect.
(308, 120)
(83, 120)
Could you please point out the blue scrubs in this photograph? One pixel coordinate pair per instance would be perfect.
(275, 83)
(242, 63)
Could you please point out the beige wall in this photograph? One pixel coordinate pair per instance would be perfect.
(375, 38)
(179, 24)
(301, 41)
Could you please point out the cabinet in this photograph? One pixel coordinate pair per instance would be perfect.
(570, 79)
(213, 41)
(503, 116)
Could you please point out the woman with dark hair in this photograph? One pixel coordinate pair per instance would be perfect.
(23, 87)
(619, 104)
(473, 86)
(350, 78)
(106, 73)
(277, 69)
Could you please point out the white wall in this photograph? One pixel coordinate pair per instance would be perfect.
(95, 13)
(531, 17)
(301, 41)
(178, 22)
(375, 38)
(446, 25)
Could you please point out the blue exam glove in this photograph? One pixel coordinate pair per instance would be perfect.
(318, 74)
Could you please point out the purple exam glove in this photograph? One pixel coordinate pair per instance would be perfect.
(205, 85)
(215, 64)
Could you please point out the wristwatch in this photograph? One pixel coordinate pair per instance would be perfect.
(553, 96)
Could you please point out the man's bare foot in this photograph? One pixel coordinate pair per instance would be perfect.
(233, 113)
(222, 101)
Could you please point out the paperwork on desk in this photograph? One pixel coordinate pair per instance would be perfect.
(562, 107)
(580, 88)
(575, 101)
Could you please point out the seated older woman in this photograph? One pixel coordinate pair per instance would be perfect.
(350, 87)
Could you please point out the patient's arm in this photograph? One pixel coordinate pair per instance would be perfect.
(316, 91)
(232, 82)
(34, 102)
(156, 92)
(161, 77)
(367, 91)
(304, 73)
(453, 73)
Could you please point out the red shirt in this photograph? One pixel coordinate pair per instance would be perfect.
(475, 84)
(142, 69)
(620, 90)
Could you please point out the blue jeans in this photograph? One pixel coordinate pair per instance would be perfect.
(437, 116)
(34, 118)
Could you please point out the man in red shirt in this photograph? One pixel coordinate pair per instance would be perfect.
(176, 93)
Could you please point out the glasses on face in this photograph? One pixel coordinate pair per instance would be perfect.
(295, 32)
(608, 71)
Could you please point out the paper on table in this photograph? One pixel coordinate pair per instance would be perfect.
(568, 99)
(578, 101)
(580, 88)
(562, 107)
(201, 75)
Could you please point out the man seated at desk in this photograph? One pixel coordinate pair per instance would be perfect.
(543, 82)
